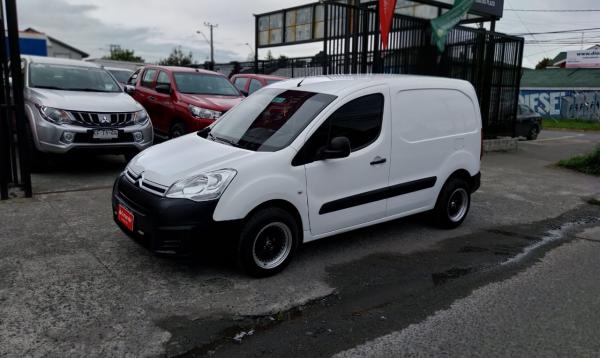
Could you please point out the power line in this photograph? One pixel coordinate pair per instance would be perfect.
(553, 10)
(556, 32)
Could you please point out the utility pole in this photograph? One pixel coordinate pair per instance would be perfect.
(212, 47)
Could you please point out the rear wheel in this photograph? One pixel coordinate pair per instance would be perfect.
(533, 133)
(453, 203)
(177, 130)
(267, 242)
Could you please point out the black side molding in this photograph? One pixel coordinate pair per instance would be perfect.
(378, 194)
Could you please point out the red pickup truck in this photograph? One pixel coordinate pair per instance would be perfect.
(181, 100)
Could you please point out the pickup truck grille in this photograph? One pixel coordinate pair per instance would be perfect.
(90, 119)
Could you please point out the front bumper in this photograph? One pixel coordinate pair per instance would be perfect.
(165, 225)
(49, 138)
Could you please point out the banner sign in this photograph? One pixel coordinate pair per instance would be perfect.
(583, 59)
(443, 24)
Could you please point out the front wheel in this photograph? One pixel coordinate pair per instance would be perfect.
(177, 130)
(267, 242)
(453, 204)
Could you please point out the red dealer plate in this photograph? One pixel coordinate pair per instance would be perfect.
(125, 217)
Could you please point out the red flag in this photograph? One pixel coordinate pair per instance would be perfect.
(386, 14)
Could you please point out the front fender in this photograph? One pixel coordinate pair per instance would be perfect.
(245, 193)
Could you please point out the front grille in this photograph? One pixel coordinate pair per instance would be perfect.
(139, 181)
(90, 119)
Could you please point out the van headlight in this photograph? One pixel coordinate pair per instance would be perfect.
(140, 117)
(200, 112)
(203, 187)
(55, 115)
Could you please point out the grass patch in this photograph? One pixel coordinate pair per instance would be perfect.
(577, 124)
(588, 163)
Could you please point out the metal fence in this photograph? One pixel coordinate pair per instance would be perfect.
(14, 144)
(351, 44)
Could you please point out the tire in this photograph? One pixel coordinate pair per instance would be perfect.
(533, 133)
(453, 204)
(268, 240)
(39, 161)
(177, 130)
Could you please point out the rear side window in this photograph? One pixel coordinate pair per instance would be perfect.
(254, 86)
(148, 78)
(433, 113)
(359, 120)
(240, 83)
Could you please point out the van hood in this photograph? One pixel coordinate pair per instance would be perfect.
(184, 157)
(85, 101)
(217, 103)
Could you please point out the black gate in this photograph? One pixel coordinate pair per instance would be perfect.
(14, 146)
(351, 44)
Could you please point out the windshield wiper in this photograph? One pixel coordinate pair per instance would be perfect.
(223, 140)
(86, 90)
(49, 87)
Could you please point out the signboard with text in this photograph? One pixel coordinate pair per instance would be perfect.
(583, 59)
(494, 8)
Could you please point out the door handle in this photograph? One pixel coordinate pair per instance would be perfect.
(152, 98)
(378, 160)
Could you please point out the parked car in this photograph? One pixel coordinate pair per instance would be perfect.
(75, 105)
(306, 159)
(181, 100)
(250, 83)
(120, 74)
(529, 123)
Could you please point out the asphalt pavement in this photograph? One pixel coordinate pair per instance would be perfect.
(520, 270)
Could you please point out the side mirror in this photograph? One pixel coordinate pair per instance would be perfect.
(245, 93)
(339, 147)
(164, 89)
(129, 89)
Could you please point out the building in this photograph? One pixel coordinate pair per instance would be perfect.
(569, 89)
(34, 42)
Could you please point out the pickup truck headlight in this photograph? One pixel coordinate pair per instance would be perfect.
(140, 117)
(55, 115)
(200, 112)
(203, 187)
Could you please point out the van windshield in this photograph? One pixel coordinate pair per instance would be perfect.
(270, 119)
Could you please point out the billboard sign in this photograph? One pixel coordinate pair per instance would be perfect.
(296, 25)
(494, 8)
(583, 59)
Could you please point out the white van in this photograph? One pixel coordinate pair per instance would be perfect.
(305, 159)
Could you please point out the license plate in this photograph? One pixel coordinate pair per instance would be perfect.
(125, 217)
(106, 134)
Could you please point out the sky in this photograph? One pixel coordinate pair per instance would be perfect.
(154, 27)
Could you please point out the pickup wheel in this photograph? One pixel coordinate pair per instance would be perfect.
(453, 204)
(177, 130)
(267, 242)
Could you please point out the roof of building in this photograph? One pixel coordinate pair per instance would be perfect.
(52, 39)
(561, 78)
(58, 61)
(342, 84)
(562, 56)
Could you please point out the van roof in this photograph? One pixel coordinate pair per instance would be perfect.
(340, 84)
(58, 61)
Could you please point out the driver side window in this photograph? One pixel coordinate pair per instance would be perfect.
(359, 120)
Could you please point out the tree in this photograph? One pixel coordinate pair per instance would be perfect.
(545, 62)
(270, 56)
(177, 58)
(122, 54)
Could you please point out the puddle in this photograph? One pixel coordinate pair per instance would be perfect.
(549, 237)
(454, 273)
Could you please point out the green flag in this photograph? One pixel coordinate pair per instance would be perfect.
(446, 22)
